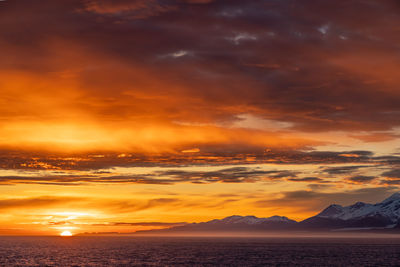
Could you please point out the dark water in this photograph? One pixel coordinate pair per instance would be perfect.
(152, 251)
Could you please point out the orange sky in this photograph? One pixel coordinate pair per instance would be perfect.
(123, 115)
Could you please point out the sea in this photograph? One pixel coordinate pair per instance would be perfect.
(199, 251)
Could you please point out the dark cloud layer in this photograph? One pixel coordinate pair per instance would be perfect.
(395, 173)
(231, 175)
(43, 161)
(317, 64)
(306, 179)
(342, 169)
(361, 179)
(81, 169)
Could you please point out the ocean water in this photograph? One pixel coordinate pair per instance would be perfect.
(161, 251)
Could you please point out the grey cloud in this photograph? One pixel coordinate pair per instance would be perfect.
(306, 179)
(395, 173)
(362, 179)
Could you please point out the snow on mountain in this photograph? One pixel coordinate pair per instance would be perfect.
(279, 219)
(359, 216)
(394, 197)
(236, 219)
(388, 209)
(231, 224)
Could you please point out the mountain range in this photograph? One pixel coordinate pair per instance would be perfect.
(359, 216)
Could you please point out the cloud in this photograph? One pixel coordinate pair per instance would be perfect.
(36, 202)
(107, 59)
(306, 179)
(230, 175)
(134, 8)
(167, 177)
(361, 179)
(376, 137)
(198, 1)
(395, 173)
(342, 169)
(391, 177)
(390, 182)
(99, 168)
(205, 155)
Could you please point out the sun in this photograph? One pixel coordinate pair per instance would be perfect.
(66, 233)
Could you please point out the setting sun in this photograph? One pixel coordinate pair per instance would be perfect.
(66, 233)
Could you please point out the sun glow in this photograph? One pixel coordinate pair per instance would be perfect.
(66, 233)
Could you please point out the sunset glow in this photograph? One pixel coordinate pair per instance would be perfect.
(118, 116)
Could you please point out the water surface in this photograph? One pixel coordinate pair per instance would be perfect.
(162, 251)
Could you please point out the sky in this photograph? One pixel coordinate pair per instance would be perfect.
(126, 115)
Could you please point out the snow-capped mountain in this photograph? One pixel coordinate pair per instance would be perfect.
(231, 224)
(389, 208)
(241, 223)
(359, 216)
(383, 214)
(251, 220)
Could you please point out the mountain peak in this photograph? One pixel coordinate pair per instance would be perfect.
(330, 211)
(389, 209)
(359, 216)
(233, 217)
(395, 196)
(250, 219)
(277, 218)
(238, 219)
(358, 205)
